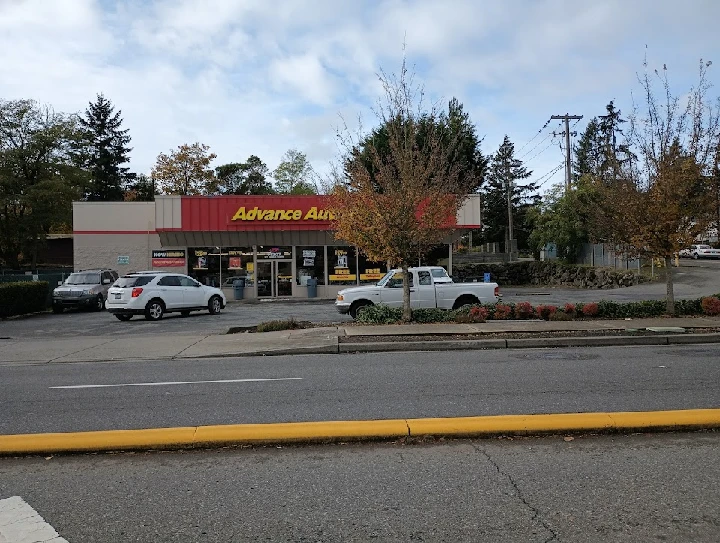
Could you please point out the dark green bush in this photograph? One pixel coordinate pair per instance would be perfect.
(23, 297)
(688, 307)
(379, 314)
(275, 326)
(425, 315)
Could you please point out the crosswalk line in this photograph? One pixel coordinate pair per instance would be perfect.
(20, 523)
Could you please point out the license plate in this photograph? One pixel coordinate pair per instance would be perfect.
(118, 296)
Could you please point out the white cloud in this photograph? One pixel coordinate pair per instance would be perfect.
(258, 77)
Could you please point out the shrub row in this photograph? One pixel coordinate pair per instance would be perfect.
(23, 297)
(382, 314)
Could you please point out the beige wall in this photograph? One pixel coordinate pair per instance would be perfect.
(102, 251)
(114, 216)
(469, 213)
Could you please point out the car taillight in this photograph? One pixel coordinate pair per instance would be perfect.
(497, 291)
(137, 291)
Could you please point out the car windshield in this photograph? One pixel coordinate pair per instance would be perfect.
(133, 281)
(385, 278)
(83, 279)
(704, 247)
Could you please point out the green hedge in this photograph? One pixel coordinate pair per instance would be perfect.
(382, 314)
(23, 297)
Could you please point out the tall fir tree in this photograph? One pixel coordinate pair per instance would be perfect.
(104, 150)
(504, 172)
(588, 151)
(615, 153)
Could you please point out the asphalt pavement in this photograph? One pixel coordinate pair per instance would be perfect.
(592, 489)
(97, 338)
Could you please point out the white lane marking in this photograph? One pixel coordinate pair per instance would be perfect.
(170, 383)
(20, 523)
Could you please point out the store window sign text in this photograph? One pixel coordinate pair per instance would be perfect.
(256, 214)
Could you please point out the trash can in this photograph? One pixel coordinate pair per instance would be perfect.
(312, 287)
(239, 288)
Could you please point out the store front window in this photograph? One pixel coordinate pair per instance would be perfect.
(220, 266)
(370, 271)
(309, 262)
(342, 266)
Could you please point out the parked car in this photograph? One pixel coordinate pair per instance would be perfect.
(155, 293)
(86, 288)
(430, 286)
(700, 251)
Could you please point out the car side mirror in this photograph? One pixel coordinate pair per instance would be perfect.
(106, 281)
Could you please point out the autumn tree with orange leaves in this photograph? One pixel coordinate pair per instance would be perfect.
(402, 185)
(661, 199)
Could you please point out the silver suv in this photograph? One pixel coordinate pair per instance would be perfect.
(86, 288)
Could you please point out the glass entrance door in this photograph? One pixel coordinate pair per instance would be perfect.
(274, 278)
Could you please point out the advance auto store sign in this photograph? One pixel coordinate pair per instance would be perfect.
(257, 214)
(172, 258)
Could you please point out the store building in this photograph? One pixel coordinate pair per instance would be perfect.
(275, 243)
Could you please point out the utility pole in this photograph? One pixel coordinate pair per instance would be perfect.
(509, 231)
(566, 133)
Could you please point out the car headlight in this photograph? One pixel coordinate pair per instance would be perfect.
(87, 291)
(340, 297)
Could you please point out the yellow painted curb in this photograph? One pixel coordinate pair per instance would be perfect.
(299, 432)
(566, 422)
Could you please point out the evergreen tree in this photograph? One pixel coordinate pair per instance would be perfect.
(141, 188)
(504, 172)
(614, 151)
(588, 151)
(104, 151)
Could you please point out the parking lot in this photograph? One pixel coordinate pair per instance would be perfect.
(694, 278)
(90, 323)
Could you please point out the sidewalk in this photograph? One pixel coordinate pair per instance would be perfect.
(353, 338)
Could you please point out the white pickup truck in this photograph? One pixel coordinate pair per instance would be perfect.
(430, 286)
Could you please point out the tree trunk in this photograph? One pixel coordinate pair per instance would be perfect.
(407, 312)
(670, 296)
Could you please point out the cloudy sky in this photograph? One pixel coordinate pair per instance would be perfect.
(261, 76)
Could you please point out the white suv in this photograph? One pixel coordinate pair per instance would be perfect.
(155, 293)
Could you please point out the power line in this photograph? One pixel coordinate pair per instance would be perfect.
(539, 153)
(549, 175)
(535, 136)
(538, 144)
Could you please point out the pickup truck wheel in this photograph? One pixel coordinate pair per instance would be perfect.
(357, 306)
(99, 303)
(465, 300)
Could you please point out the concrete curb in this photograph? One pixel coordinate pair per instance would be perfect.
(363, 430)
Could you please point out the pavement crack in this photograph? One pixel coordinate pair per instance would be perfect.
(408, 428)
(81, 350)
(173, 357)
(535, 511)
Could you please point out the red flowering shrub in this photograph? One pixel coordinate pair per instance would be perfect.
(524, 310)
(569, 309)
(544, 311)
(710, 305)
(502, 312)
(478, 314)
(590, 309)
